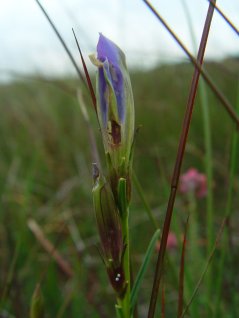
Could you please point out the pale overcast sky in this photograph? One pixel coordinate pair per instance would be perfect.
(28, 43)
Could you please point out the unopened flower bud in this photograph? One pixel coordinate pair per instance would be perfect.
(115, 108)
(110, 230)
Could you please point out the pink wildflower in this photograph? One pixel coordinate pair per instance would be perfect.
(193, 181)
(171, 242)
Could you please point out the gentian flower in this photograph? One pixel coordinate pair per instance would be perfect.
(115, 108)
(110, 230)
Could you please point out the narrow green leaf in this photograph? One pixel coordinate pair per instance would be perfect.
(142, 270)
(182, 270)
(37, 303)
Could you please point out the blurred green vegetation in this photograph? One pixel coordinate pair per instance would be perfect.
(45, 178)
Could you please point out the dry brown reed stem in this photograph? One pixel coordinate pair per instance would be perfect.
(178, 163)
(50, 248)
(229, 22)
(90, 86)
(206, 77)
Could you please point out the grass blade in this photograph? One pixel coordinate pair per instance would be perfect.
(62, 41)
(142, 270)
(181, 274)
(10, 274)
(37, 303)
(205, 269)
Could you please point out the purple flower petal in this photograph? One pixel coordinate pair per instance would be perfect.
(107, 49)
(109, 54)
(102, 94)
(117, 82)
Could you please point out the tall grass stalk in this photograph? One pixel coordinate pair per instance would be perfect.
(62, 41)
(178, 162)
(208, 151)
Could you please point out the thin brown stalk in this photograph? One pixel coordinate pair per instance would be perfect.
(62, 41)
(206, 77)
(181, 273)
(222, 14)
(90, 86)
(219, 235)
(178, 163)
(50, 248)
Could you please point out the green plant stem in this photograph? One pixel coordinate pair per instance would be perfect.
(125, 302)
(193, 238)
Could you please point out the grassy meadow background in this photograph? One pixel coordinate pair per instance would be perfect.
(45, 187)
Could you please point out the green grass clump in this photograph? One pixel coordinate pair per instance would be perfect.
(45, 175)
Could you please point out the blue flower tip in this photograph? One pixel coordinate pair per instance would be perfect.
(106, 49)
